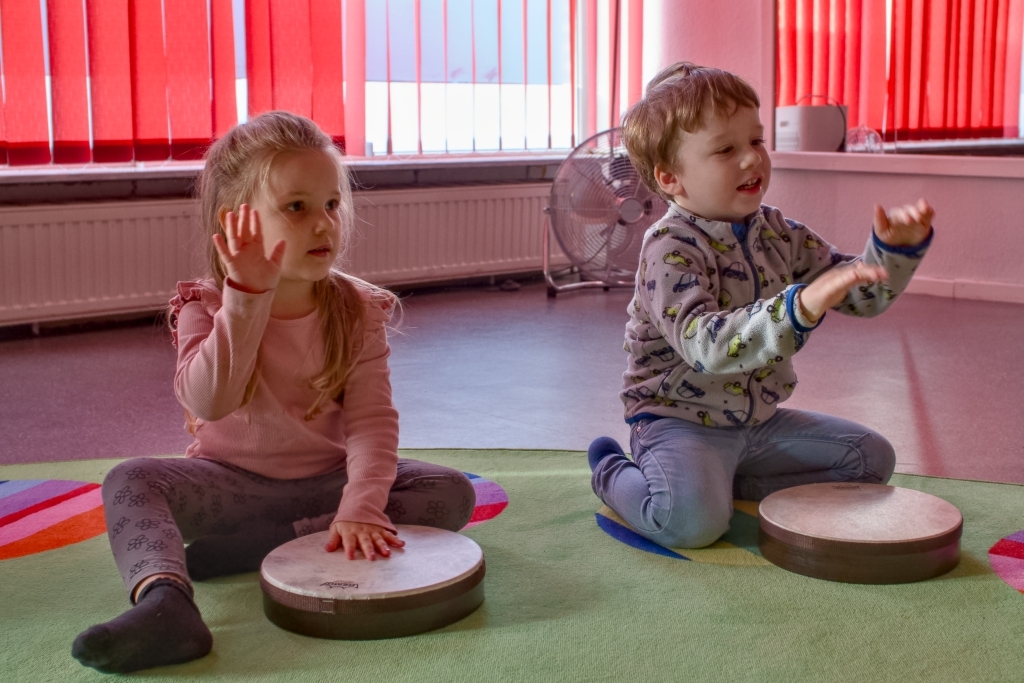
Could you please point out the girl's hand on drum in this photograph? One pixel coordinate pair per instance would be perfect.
(243, 254)
(369, 538)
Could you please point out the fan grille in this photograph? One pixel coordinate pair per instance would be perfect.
(600, 209)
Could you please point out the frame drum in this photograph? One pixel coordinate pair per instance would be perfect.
(435, 580)
(860, 533)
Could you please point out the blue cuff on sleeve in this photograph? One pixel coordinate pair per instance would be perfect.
(642, 416)
(791, 310)
(914, 250)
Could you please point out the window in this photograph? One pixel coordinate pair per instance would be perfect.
(150, 80)
(914, 70)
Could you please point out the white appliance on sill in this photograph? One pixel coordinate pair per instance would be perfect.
(807, 128)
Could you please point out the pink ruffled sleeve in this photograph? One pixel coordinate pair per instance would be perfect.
(204, 292)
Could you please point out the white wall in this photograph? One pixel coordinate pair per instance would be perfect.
(978, 251)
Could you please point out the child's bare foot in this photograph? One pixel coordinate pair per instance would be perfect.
(163, 628)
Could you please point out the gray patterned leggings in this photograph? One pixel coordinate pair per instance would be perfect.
(154, 505)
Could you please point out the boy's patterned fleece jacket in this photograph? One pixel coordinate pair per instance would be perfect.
(714, 323)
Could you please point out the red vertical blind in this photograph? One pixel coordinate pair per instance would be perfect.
(294, 60)
(634, 79)
(68, 86)
(833, 51)
(291, 56)
(189, 98)
(328, 68)
(257, 56)
(149, 80)
(25, 114)
(954, 69)
(354, 68)
(110, 77)
(953, 65)
(222, 63)
(607, 63)
(590, 65)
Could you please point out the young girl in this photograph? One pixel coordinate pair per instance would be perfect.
(282, 370)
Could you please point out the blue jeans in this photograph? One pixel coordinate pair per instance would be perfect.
(678, 489)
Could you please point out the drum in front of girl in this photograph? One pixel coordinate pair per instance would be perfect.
(860, 533)
(434, 580)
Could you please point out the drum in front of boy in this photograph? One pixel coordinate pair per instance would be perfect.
(860, 533)
(434, 580)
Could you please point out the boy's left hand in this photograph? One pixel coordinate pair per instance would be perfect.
(905, 226)
(369, 538)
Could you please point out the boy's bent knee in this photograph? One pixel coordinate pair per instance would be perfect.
(879, 458)
(698, 537)
(696, 530)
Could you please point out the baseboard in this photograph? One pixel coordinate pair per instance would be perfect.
(1004, 292)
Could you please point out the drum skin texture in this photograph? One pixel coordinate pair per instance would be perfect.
(434, 581)
(860, 533)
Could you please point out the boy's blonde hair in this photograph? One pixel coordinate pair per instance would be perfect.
(679, 98)
(237, 169)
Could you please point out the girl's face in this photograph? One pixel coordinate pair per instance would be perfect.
(301, 205)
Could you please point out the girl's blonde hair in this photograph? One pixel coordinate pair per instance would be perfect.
(237, 169)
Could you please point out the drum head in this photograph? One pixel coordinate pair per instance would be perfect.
(435, 580)
(860, 533)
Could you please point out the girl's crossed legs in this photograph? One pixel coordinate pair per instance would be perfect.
(678, 489)
(154, 505)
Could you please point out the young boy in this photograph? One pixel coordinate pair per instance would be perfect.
(728, 290)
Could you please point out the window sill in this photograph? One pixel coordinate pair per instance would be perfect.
(901, 164)
(169, 179)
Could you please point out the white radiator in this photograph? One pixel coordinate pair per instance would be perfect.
(79, 260)
(427, 235)
(87, 260)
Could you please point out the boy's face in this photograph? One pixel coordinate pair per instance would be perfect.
(721, 171)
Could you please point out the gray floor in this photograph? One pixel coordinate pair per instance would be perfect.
(491, 369)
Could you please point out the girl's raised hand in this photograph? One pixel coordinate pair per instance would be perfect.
(904, 226)
(243, 254)
(369, 538)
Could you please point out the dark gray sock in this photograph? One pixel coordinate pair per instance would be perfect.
(225, 554)
(163, 628)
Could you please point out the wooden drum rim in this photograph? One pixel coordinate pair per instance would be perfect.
(860, 533)
(375, 604)
(862, 547)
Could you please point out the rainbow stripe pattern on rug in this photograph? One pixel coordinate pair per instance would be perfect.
(738, 547)
(1007, 559)
(37, 515)
(491, 500)
(42, 514)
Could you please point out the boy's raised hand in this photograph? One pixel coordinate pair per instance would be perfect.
(243, 254)
(370, 538)
(905, 226)
(832, 286)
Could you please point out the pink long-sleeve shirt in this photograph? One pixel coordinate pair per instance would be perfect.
(219, 336)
